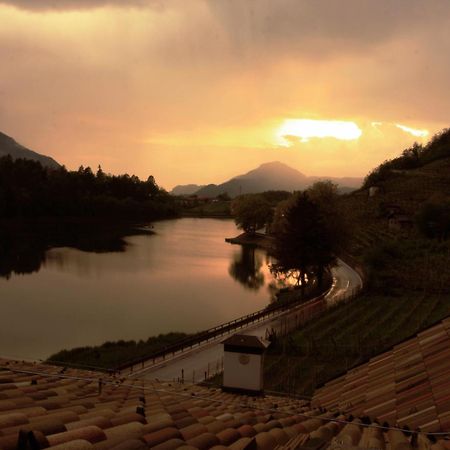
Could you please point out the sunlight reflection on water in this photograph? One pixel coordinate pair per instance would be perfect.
(183, 278)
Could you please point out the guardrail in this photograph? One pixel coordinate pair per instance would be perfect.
(212, 333)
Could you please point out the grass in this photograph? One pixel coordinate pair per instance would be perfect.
(111, 354)
(348, 335)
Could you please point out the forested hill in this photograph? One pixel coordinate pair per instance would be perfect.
(8, 146)
(412, 158)
(400, 219)
(29, 190)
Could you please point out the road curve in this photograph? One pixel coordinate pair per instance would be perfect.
(207, 359)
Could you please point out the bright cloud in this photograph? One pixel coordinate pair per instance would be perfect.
(415, 132)
(305, 129)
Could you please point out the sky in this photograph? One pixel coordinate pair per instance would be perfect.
(197, 91)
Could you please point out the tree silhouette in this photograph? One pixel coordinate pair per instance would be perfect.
(27, 189)
(304, 242)
(251, 212)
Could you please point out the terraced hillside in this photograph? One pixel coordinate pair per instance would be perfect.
(407, 286)
(346, 336)
(403, 193)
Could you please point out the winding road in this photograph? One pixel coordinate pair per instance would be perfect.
(194, 364)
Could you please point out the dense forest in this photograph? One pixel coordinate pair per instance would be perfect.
(29, 190)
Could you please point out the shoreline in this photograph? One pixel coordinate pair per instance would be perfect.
(193, 215)
(257, 240)
(284, 299)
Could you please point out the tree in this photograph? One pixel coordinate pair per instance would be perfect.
(27, 189)
(305, 237)
(251, 212)
(325, 195)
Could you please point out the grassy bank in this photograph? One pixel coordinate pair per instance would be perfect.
(111, 354)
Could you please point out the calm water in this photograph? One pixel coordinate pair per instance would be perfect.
(182, 278)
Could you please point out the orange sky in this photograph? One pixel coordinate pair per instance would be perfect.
(196, 91)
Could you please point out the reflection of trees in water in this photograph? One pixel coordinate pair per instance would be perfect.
(19, 255)
(282, 280)
(287, 278)
(246, 268)
(23, 246)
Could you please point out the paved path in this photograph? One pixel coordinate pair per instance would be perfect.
(208, 358)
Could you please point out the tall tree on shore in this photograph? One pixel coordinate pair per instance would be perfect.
(251, 212)
(308, 230)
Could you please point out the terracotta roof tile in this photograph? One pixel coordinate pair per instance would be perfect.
(132, 414)
(403, 386)
(204, 441)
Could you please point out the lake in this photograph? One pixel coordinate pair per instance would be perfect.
(184, 277)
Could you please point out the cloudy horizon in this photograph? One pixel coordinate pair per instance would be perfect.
(199, 91)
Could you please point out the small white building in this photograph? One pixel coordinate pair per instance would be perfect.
(243, 363)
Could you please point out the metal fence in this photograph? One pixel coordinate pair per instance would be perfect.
(213, 333)
(290, 315)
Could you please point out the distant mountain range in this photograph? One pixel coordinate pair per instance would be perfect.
(269, 176)
(186, 189)
(8, 146)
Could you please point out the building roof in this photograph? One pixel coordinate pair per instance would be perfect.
(408, 385)
(399, 400)
(246, 341)
(64, 410)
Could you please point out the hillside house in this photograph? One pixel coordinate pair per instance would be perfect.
(400, 222)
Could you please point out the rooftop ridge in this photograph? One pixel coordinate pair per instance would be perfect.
(121, 382)
(407, 385)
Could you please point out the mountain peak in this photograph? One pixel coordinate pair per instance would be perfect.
(275, 170)
(274, 165)
(273, 175)
(8, 146)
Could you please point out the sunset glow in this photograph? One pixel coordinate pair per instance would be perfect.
(201, 91)
(305, 129)
(413, 131)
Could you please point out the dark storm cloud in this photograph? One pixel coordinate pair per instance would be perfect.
(45, 5)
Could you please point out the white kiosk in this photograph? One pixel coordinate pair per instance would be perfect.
(243, 363)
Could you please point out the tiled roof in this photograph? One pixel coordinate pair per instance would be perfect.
(408, 385)
(43, 406)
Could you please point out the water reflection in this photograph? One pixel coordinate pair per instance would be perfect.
(24, 247)
(253, 268)
(87, 284)
(246, 268)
